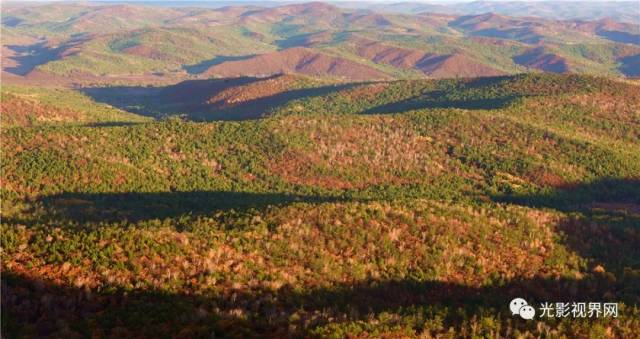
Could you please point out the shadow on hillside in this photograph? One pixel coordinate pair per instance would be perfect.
(431, 100)
(113, 207)
(620, 36)
(612, 194)
(204, 65)
(194, 99)
(604, 225)
(305, 40)
(440, 99)
(521, 35)
(29, 57)
(112, 124)
(36, 307)
(11, 21)
(630, 66)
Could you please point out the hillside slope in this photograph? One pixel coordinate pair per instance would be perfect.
(29, 106)
(540, 59)
(433, 65)
(295, 60)
(396, 208)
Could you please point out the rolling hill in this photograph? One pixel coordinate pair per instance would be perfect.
(314, 170)
(539, 58)
(52, 43)
(397, 208)
(298, 60)
(433, 65)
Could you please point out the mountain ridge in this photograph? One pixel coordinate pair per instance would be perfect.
(50, 43)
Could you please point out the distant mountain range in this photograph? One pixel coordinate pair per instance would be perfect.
(625, 11)
(70, 43)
